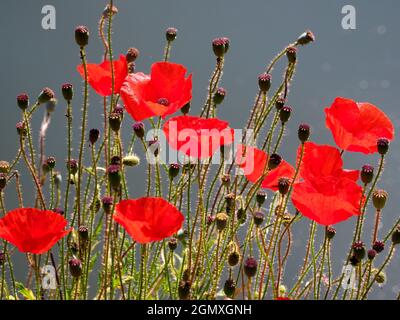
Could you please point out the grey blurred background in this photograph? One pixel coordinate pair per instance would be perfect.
(362, 64)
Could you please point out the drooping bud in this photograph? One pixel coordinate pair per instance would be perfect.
(291, 54)
(75, 267)
(258, 218)
(250, 267)
(82, 36)
(45, 95)
(4, 167)
(304, 132)
(72, 166)
(131, 160)
(383, 146)
(172, 244)
(274, 161)
(114, 176)
(229, 288)
(264, 81)
(378, 246)
(173, 170)
(260, 197)
(138, 128)
(306, 38)
(359, 250)
(170, 34)
(283, 185)
(284, 114)
(23, 101)
(67, 91)
(396, 235)
(330, 232)
(93, 136)
(219, 96)
(379, 198)
(132, 54)
(221, 221)
(367, 174)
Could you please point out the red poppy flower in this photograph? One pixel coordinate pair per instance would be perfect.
(100, 77)
(162, 93)
(148, 219)
(356, 126)
(253, 164)
(283, 298)
(322, 161)
(197, 137)
(33, 230)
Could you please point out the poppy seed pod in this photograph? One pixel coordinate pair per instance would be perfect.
(45, 95)
(229, 288)
(284, 114)
(221, 220)
(359, 250)
(82, 36)
(131, 160)
(114, 176)
(107, 203)
(367, 174)
(250, 267)
(115, 160)
(330, 232)
(75, 267)
(3, 181)
(264, 82)
(172, 244)
(170, 34)
(23, 101)
(173, 170)
(280, 103)
(260, 197)
(283, 185)
(4, 167)
(138, 128)
(382, 145)
(93, 136)
(114, 119)
(132, 54)
(67, 91)
(218, 46)
(230, 200)
(184, 289)
(396, 235)
(378, 246)
(233, 258)
(186, 108)
(258, 218)
(354, 260)
(274, 161)
(72, 166)
(219, 95)
(83, 232)
(306, 38)
(51, 162)
(371, 254)
(303, 132)
(379, 198)
(241, 215)
(291, 54)
(59, 211)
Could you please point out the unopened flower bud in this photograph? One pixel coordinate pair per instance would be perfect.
(291, 54)
(379, 198)
(359, 250)
(59, 211)
(184, 289)
(330, 232)
(45, 95)
(218, 46)
(72, 166)
(260, 197)
(229, 288)
(221, 221)
(264, 81)
(4, 167)
(131, 160)
(132, 54)
(274, 161)
(250, 267)
(258, 218)
(114, 119)
(233, 258)
(367, 174)
(67, 91)
(83, 232)
(219, 96)
(23, 101)
(3, 181)
(131, 67)
(354, 260)
(230, 200)
(241, 215)
(382, 145)
(170, 34)
(51, 162)
(303, 132)
(306, 38)
(173, 170)
(283, 185)
(378, 246)
(114, 176)
(371, 254)
(284, 114)
(138, 128)
(172, 244)
(75, 267)
(107, 203)
(82, 36)
(396, 235)
(280, 103)
(115, 160)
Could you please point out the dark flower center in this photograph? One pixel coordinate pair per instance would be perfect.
(163, 101)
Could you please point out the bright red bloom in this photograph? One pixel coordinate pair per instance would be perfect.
(197, 137)
(254, 163)
(282, 298)
(33, 230)
(148, 219)
(328, 194)
(162, 93)
(100, 77)
(356, 126)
